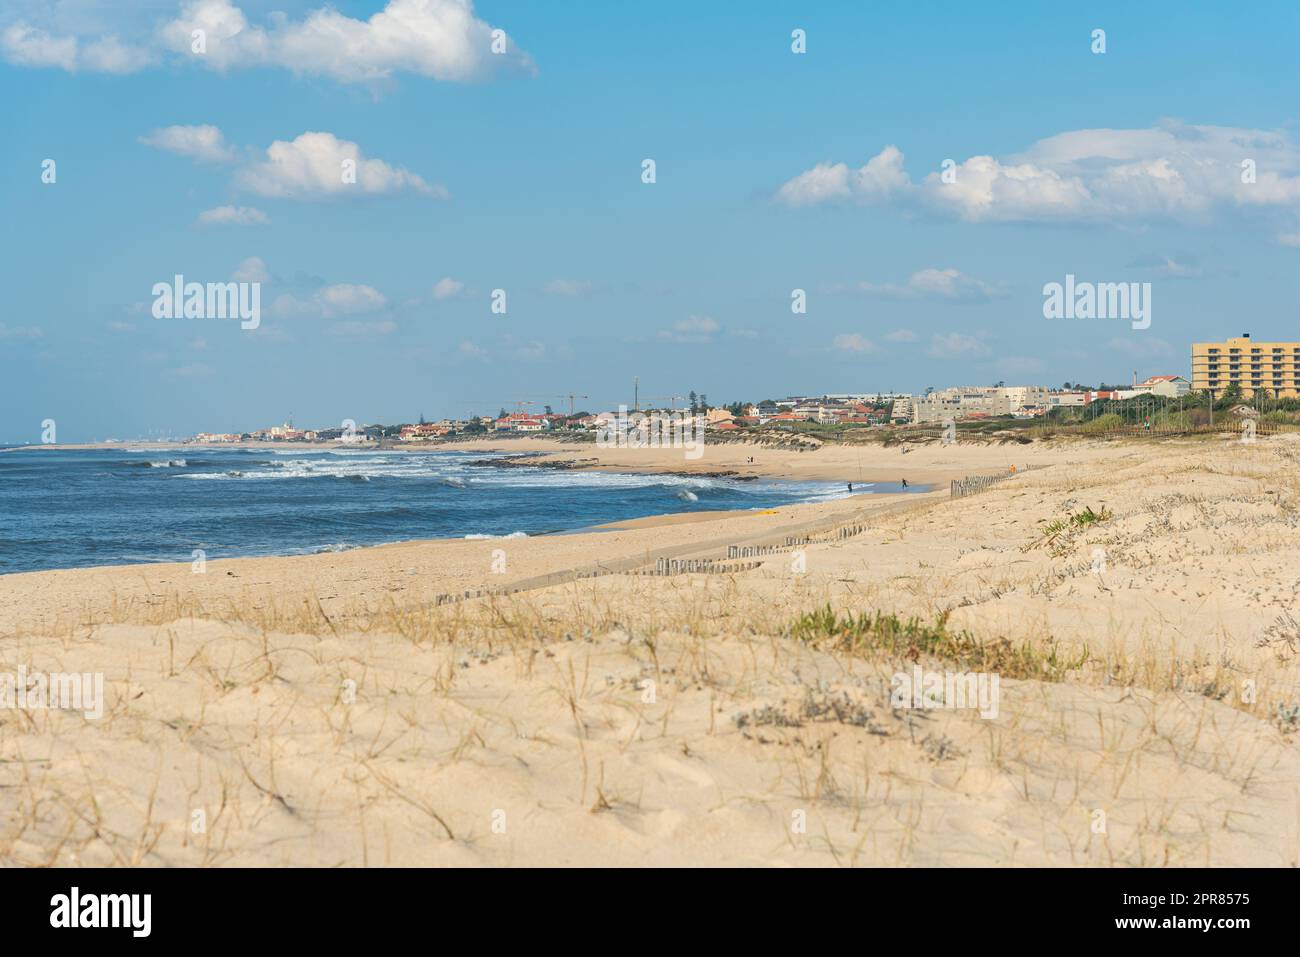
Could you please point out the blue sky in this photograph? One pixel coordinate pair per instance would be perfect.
(522, 172)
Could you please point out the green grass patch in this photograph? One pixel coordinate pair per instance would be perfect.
(880, 635)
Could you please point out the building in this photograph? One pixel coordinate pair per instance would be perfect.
(1273, 367)
(902, 411)
(522, 422)
(1021, 397)
(424, 431)
(1170, 386)
(1065, 400)
(959, 403)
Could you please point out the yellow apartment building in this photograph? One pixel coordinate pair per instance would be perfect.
(1273, 366)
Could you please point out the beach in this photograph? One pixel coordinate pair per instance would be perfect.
(570, 699)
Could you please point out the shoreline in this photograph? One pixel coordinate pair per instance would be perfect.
(918, 463)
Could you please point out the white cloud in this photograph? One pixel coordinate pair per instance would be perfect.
(526, 351)
(900, 335)
(852, 342)
(693, 329)
(1140, 347)
(331, 302)
(353, 327)
(1020, 365)
(1167, 267)
(1289, 239)
(1172, 171)
(441, 39)
(470, 350)
(938, 284)
(110, 55)
(348, 298)
(882, 178)
(196, 370)
(951, 345)
(313, 165)
(197, 142)
(24, 45)
(572, 288)
(233, 216)
(251, 269)
(19, 332)
(447, 288)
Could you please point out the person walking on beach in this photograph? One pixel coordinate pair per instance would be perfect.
(904, 483)
(850, 486)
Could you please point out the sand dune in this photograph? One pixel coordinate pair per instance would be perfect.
(333, 710)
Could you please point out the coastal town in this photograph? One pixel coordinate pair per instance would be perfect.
(849, 410)
(1237, 367)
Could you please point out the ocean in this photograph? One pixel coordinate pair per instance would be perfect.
(76, 508)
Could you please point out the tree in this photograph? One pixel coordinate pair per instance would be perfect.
(691, 399)
(704, 402)
(547, 410)
(502, 413)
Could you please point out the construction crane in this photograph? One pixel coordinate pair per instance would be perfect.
(571, 396)
(671, 399)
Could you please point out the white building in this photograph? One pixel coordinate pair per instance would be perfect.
(967, 401)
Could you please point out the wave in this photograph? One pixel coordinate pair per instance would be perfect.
(480, 537)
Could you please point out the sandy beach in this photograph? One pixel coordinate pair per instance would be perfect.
(552, 700)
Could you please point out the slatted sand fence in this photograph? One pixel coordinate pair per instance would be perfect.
(974, 484)
(716, 556)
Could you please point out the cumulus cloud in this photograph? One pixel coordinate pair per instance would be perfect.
(312, 166)
(320, 165)
(900, 335)
(1183, 266)
(354, 327)
(1172, 171)
(952, 345)
(447, 288)
(196, 370)
(1140, 347)
(692, 329)
(1020, 365)
(24, 45)
(349, 298)
(233, 216)
(572, 288)
(938, 284)
(440, 39)
(19, 332)
(882, 178)
(206, 143)
(251, 269)
(854, 343)
(340, 300)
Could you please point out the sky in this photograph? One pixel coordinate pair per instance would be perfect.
(521, 169)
